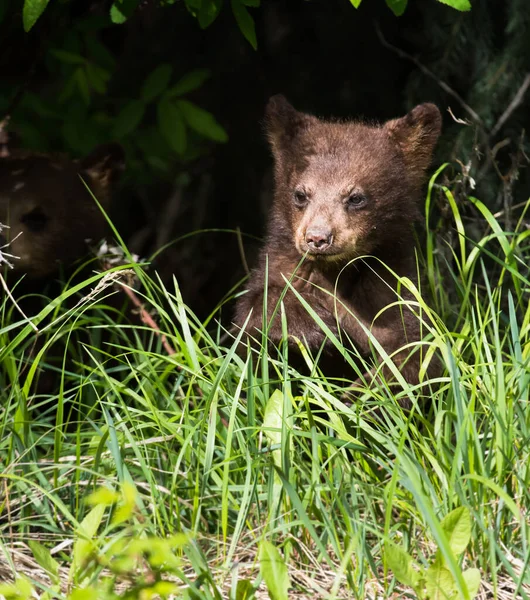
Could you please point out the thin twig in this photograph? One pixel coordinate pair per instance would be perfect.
(516, 101)
(430, 74)
(241, 249)
(146, 318)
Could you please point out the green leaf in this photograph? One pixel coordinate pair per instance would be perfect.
(245, 22)
(171, 124)
(252, 3)
(208, 12)
(126, 508)
(90, 524)
(128, 119)
(45, 560)
(202, 121)
(88, 593)
(82, 84)
(156, 82)
(103, 495)
(457, 527)
(272, 424)
(439, 583)
(97, 78)
(32, 10)
(356, 3)
(397, 6)
(274, 571)
(116, 16)
(121, 10)
(472, 579)
(245, 590)
(68, 57)
(20, 590)
(458, 4)
(401, 564)
(189, 82)
(83, 545)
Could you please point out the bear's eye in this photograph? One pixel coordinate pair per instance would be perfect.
(300, 199)
(35, 220)
(356, 200)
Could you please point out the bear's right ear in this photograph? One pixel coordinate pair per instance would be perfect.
(416, 134)
(283, 123)
(104, 165)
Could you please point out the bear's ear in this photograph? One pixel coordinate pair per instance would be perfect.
(104, 166)
(416, 134)
(283, 123)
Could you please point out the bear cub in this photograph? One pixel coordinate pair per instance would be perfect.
(346, 198)
(46, 210)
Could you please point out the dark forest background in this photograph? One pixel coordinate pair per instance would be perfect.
(186, 102)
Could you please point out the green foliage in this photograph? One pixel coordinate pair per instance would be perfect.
(224, 454)
(398, 7)
(274, 571)
(438, 580)
(32, 10)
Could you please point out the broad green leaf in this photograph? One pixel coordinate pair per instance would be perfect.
(401, 564)
(116, 16)
(397, 6)
(208, 12)
(90, 524)
(272, 424)
(274, 571)
(472, 579)
(121, 10)
(164, 589)
(82, 84)
(45, 560)
(252, 3)
(83, 544)
(88, 593)
(245, 22)
(439, 583)
(156, 82)
(128, 119)
(458, 4)
(457, 527)
(69, 57)
(356, 3)
(125, 510)
(32, 10)
(171, 124)
(202, 121)
(20, 590)
(244, 590)
(189, 82)
(103, 495)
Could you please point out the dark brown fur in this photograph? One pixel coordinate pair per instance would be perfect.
(343, 190)
(48, 210)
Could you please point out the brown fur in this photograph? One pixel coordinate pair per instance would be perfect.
(49, 211)
(343, 190)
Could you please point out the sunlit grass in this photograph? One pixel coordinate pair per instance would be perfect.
(219, 447)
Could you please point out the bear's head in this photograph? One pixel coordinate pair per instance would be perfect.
(346, 189)
(47, 212)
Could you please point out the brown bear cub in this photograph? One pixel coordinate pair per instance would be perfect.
(346, 198)
(47, 213)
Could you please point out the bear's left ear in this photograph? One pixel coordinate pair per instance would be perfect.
(104, 165)
(416, 134)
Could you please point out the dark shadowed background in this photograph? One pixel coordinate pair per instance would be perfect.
(186, 104)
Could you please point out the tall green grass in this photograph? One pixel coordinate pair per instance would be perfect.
(204, 443)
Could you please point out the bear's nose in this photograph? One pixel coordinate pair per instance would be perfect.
(318, 238)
